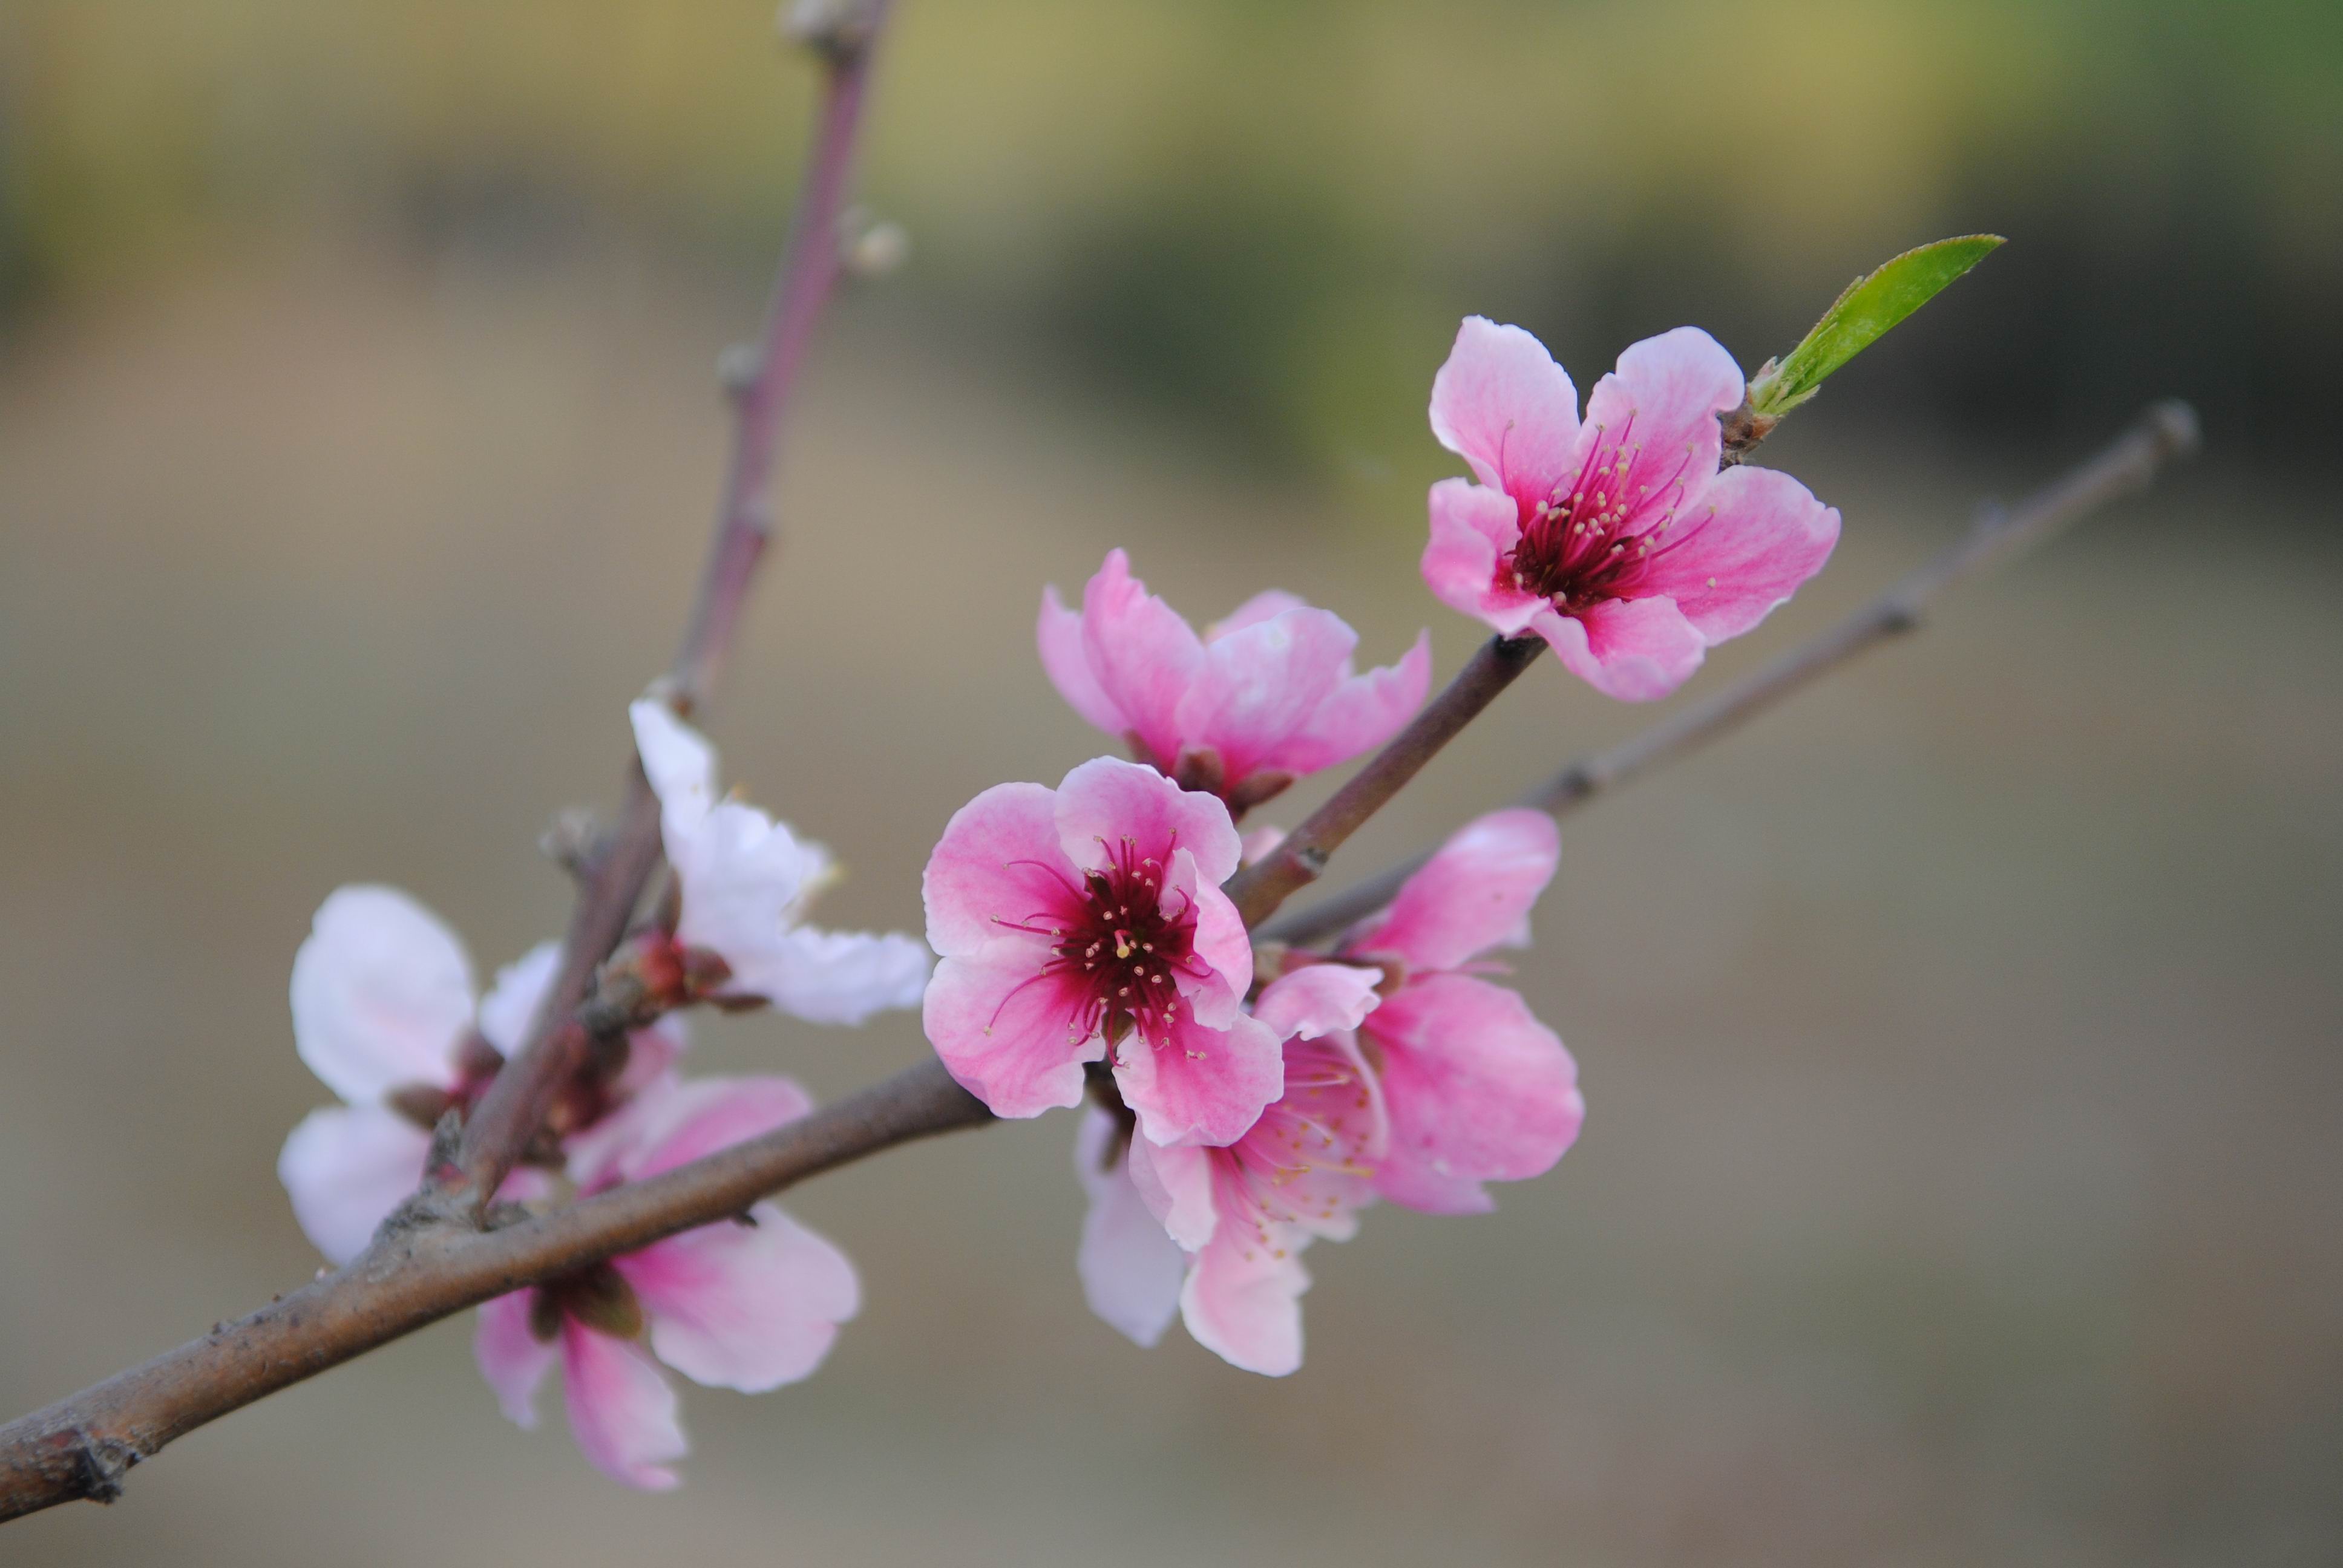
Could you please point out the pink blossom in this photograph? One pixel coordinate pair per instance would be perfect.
(747, 881)
(1217, 1233)
(1088, 921)
(1477, 1088)
(383, 1013)
(742, 1304)
(1619, 541)
(1263, 698)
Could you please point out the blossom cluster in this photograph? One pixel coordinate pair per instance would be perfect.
(1239, 1102)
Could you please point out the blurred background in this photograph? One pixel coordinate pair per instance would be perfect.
(1960, 1043)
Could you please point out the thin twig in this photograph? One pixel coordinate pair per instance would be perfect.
(514, 1108)
(2165, 431)
(421, 1268)
(1298, 860)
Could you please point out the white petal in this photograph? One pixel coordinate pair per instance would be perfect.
(835, 977)
(382, 993)
(1130, 1268)
(346, 1168)
(510, 1006)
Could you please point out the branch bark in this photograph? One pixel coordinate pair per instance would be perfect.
(425, 1264)
(514, 1107)
(2164, 431)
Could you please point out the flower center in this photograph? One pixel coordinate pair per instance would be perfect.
(1303, 1161)
(1119, 948)
(1592, 536)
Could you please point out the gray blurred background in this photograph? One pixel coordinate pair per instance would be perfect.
(1960, 1043)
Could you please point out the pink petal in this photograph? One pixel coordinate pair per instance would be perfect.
(1317, 999)
(1106, 801)
(750, 1307)
(677, 1120)
(511, 1004)
(1242, 1299)
(622, 1410)
(511, 1358)
(1472, 896)
(1636, 650)
(1266, 604)
(1502, 404)
(1478, 1091)
(1131, 1269)
(1142, 653)
(1320, 1144)
(1755, 534)
(1177, 1186)
(1664, 400)
(1203, 1085)
(1007, 1032)
(382, 993)
(833, 977)
(1360, 714)
(1472, 528)
(1261, 685)
(1221, 941)
(1067, 663)
(346, 1168)
(997, 861)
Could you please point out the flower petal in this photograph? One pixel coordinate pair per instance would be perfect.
(382, 994)
(1242, 1298)
(1261, 684)
(1477, 1091)
(1221, 941)
(1203, 1085)
(511, 1004)
(346, 1168)
(1107, 800)
(1067, 662)
(1007, 1031)
(675, 1120)
(1360, 714)
(1131, 1269)
(1502, 404)
(1317, 999)
(1637, 650)
(678, 760)
(748, 1307)
(742, 874)
(1142, 654)
(1266, 604)
(1663, 401)
(1763, 534)
(622, 1411)
(833, 977)
(511, 1357)
(1473, 894)
(1176, 1186)
(1472, 528)
(998, 860)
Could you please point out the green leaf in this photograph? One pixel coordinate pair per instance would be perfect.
(1869, 306)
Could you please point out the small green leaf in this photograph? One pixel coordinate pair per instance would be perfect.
(1869, 306)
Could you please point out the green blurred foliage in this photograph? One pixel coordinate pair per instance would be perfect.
(1270, 214)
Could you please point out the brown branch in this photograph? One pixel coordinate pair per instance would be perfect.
(1296, 862)
(2165, 431)
(515, 1105)
(425, 1264)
